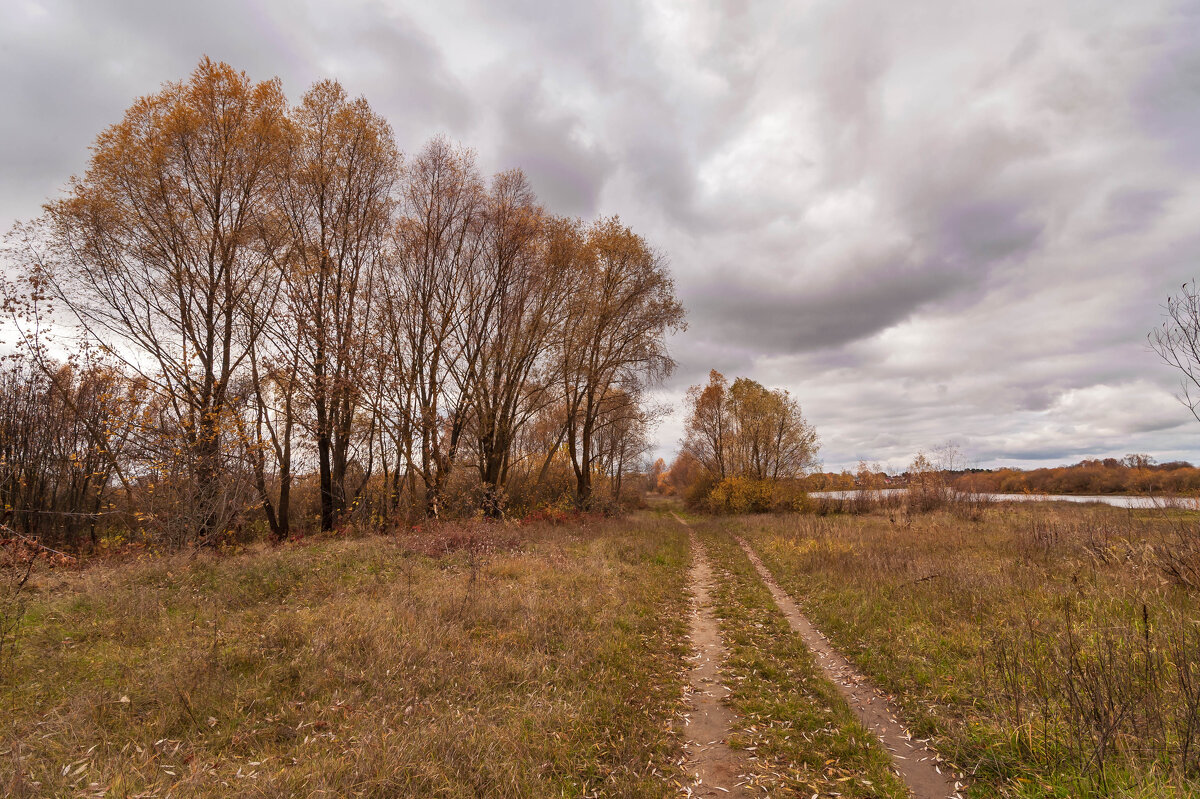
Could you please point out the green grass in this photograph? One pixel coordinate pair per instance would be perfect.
(1023, 642)
(357, 668)
(791, 719)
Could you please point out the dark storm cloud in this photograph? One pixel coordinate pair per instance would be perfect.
(800, 316)
(929, 220)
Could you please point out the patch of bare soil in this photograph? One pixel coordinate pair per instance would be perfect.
(919, 766)
(715, 768)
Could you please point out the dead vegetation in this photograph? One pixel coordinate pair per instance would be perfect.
(499, 661)
(1051, 650)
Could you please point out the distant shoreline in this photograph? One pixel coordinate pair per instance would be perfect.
(1116, 500)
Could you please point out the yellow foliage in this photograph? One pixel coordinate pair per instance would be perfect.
(747, 495)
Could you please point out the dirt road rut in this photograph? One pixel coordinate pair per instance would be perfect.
(917, 765)
(715, 768)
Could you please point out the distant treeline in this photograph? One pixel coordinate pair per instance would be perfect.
(1133, 474)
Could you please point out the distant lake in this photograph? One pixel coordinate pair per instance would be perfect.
(1115, 500)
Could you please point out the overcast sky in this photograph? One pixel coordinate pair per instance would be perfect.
(929, 221)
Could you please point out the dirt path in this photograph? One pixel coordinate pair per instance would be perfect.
(716, 769)
(916, 763)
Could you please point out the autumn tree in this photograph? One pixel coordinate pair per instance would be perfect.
(654, 477)
(266, 426)
(684, 473)
(539, 457)
(927, 485)
(521, 285)
(747, 430)
(438, 245)
(64, 428)
(339, 166)
(392, 396)
(622, 437)
(771, 439)
(163, 252)
(276, 292)
(707, 432)
(622, 307)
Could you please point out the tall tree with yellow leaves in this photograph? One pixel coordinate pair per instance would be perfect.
(339, 169)
(622, 307)
(164, 252)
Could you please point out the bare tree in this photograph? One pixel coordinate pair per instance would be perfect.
(523, 287)
(1177, 342)
(392, 395)
(622, 306)
(622, 437)
(63, 429)
(267, 424)
(438, 243)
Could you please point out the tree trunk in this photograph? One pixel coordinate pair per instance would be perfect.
(323, 456)
(208, 455)
(493, 485)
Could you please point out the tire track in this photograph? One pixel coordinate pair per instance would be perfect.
(715, 768)
(916, 764)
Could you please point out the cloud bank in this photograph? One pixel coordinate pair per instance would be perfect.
(928, 221)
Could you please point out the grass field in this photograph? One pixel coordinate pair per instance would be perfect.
(1050, 650)
(545, 662)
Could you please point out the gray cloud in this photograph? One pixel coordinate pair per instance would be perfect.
(1133, 210)
(928, 222)
(567, 171)
(1167, 96)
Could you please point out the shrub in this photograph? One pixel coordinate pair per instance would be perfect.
(696, 495)
(741, 495)
(790, 496)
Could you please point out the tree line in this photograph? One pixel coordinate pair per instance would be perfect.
(267, 297)
(1133, 474)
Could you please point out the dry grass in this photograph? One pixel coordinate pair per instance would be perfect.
(548, 665)
(1047, 648)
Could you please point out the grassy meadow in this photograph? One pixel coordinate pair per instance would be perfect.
(542, 661)
(1051, 650)
(1048, 649)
